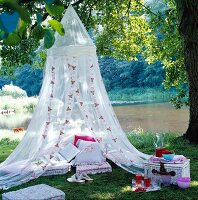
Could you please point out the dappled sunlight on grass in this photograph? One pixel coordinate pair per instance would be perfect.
(126, 189)
(194, 184)
(103, 196)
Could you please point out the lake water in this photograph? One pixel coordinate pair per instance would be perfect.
(158, 117)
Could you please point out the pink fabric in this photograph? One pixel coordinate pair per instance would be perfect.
(85, 138)
(178, 159)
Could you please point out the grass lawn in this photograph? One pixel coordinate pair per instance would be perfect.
(116, 185)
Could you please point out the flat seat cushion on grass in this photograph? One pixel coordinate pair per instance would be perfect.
(36, 192)
(94, 169)
(60, 168)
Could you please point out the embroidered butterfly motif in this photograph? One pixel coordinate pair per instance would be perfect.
(99, 139)
(68, 108)
(81, 103)
(61, 133)
(73, 67)
(47, 123)
(49, 109)
(101, 117)
(92, 92)
(92, 79)
(86, 116)
(70, 95)
(66, 121)
(44, 136)
(77, 91)
(53, 68)
(51, 156)
(115, 139)
(56, 145)
(96, 104)
(51, 96)
(72, 82)
(109, 129)
(43, 167)
(52, 82)
(91, 66)
(88, 148)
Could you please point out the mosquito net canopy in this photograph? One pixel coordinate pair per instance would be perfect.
(73, 100)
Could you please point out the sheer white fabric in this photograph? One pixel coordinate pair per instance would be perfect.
(73, 101)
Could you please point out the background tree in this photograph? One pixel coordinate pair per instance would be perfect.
(188, 27)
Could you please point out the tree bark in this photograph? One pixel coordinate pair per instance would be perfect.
(188, 12)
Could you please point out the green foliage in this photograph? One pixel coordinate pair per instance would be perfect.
(26, 30)
(48, 38)
(122, 74)
(29, 79)
(55, 9)
(122, 29)
(40, 59)
(140, 95)
(13, 5)
(38, 32)
(57, 26)
(12, 39)
(30, 107)
(6, 147)
(12, 56)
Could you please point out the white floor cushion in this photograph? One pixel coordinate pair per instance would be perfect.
(94, 169)
(36, 192)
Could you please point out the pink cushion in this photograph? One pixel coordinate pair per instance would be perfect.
(85, 138)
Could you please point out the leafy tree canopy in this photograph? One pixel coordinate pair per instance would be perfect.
(122, 28)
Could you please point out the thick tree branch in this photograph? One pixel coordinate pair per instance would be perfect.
(90, 9)
(128, 9)
(25, 1)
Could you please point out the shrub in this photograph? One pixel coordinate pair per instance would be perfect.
(30, 104)
(11, 90)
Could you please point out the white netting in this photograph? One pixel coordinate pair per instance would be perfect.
(73, 101)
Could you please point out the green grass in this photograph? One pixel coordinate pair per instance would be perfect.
(116, 185)
(140, 95)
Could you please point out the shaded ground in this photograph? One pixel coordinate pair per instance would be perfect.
(116, 185)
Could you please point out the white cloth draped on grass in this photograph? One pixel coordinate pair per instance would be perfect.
(73, 101)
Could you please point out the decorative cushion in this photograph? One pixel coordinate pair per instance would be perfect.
(36, 192)
(60, 168)
(94, 169)
(90, 154)
(85, 138)
(69, 152)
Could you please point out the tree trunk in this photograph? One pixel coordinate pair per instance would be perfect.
(188, 12)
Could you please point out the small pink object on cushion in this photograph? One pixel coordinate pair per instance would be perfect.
(85, 138)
